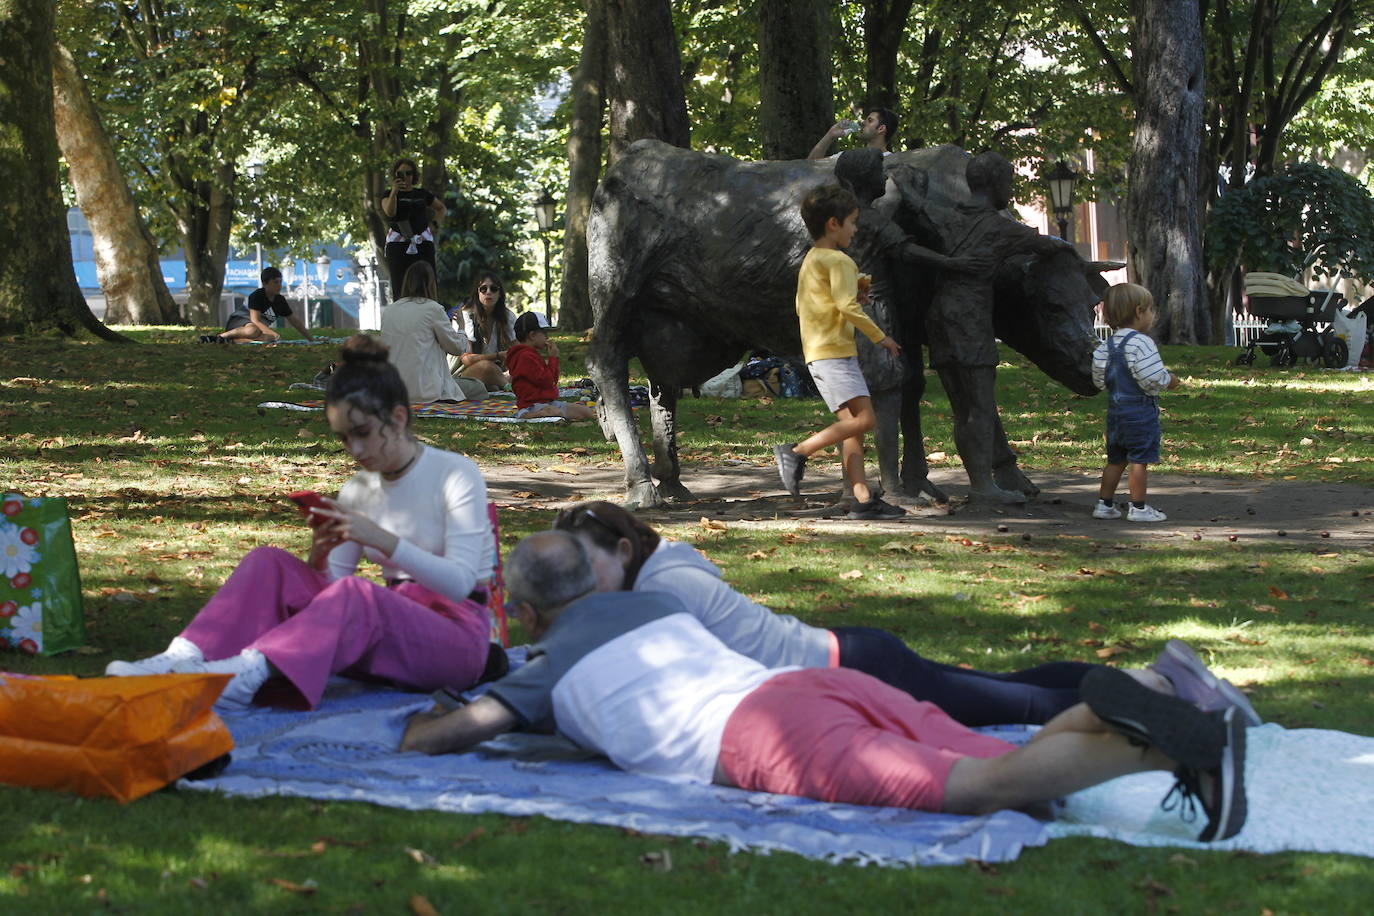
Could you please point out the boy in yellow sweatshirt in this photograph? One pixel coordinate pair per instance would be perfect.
(830, 307)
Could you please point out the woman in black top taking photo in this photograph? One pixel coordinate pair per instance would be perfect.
(413, 213)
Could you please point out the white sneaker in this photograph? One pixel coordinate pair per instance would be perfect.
(1102, 510)
(249, 669)
(1145, 514)
(250, 672)
(179, 652)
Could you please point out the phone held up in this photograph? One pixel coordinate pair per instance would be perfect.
(307, 500)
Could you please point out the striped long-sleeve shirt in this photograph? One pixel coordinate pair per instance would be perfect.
(1142, 359)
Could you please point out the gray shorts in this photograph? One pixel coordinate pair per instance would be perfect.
(838, 380)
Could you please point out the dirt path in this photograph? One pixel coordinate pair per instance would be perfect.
(1209, 507)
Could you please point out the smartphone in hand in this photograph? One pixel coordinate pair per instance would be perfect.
(307, 500)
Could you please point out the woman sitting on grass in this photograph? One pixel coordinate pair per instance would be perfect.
(629, 555)
(420, 512)
(418, 333)
(490, 328)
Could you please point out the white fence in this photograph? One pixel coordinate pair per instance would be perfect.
(1244, 328)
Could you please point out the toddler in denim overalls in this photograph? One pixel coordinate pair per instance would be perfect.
(1129, 367)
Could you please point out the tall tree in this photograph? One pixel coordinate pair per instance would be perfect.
(644, 75)
(126, 256)
(38, 289)
(584, 167)
(796, 94)
(1165, 239)
(885, 25)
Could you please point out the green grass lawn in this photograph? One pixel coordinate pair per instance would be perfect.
(172, 475)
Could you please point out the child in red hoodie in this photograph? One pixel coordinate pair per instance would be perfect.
(532, 362)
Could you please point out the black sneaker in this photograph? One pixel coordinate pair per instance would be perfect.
(1226, 807)
(876, 509)
(791, 467)
(209, 338)
(1178, 729)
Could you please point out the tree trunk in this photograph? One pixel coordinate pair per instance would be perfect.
(584, 167)
(884, 27)
(38, 289)
(796, 96)
(126, 256)
(644, 75)
(1165, 245)
(204, 213)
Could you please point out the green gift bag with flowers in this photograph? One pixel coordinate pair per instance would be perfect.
(40, 588)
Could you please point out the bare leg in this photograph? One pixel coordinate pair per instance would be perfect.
(250, 332)
(1072, 752)
(1111, 478)
(488, 373)
(1139, 481)
(854, 418)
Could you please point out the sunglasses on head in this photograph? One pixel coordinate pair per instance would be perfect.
(571, 519)
(488, 288)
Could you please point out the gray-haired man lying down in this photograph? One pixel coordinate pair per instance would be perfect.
(636, 677)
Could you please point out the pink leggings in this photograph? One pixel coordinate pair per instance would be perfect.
(310, 628)
(839, 735)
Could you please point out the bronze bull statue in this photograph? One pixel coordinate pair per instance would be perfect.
(693, 261)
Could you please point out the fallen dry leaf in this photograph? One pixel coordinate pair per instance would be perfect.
(309, 887)
(564, 469)
(1277, 592)
(422, 857)
(1112, 651)
(852, 574)
(469, 837)
(711, 524)
(421, 906)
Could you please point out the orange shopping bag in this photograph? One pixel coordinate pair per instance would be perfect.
(118, 736)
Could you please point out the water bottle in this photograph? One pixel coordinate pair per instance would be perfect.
(850, 127)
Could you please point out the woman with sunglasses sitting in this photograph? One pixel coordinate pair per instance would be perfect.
(490, 328)
(413, 215)
(628, 555)
(286, 625)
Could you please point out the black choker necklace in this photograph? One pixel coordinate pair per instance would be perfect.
(392, 475)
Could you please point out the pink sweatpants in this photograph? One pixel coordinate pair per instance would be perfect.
(836, 734)
(310, 628)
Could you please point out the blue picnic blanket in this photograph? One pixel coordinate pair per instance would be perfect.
(346, 750)
(1308, 789)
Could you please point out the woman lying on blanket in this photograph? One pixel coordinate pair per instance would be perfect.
(418, 511)
(629, 555)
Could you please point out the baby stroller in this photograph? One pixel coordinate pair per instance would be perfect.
(1294, 313)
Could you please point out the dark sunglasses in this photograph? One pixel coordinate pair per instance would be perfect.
(487, 288)
(405, 173)
(572, 519)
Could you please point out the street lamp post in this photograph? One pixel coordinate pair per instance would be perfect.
(255, 172)
(544, 212)
(322, 273)
(1061, 180)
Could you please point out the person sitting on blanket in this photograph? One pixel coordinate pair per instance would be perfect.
(533, 366)
(416, 330)
(638, 678)
(490, 327)
(628, 554)
(250, 321)
(419, 512)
